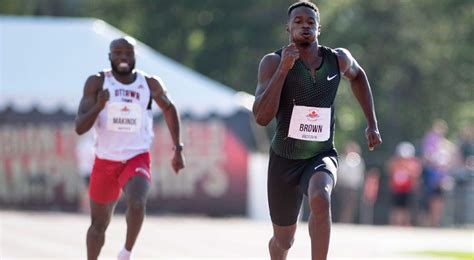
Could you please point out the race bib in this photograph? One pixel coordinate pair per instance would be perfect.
(310, 123)
(124, 117)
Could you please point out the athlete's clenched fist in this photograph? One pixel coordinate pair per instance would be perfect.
(288, 56)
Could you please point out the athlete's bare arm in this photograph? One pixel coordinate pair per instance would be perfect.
(353, 72)
(92, 102)
(271, 77)
(170, 114)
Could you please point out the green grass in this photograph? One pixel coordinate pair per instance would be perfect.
(448, 254)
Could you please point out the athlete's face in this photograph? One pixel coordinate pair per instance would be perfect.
(303, 26)
(122, 57)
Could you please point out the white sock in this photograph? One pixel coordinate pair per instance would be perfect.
(124, 254)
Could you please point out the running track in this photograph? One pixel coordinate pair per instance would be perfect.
(38, 236)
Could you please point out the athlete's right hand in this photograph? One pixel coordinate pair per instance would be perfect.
(288, 56)
(177, 162)
(102, 98)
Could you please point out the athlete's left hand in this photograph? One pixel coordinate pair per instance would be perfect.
(373, 137)
(177, 162)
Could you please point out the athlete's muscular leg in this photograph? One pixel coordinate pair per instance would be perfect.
(136, 191)
(100, 219)
(319, 197)
(281, 242)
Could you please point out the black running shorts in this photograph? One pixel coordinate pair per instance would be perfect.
(288, 180)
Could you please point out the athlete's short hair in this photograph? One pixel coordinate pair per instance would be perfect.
(305, 4)
(126, 39)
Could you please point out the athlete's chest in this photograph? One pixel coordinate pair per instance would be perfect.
(301, 84)
(129, 95)
(137, 92)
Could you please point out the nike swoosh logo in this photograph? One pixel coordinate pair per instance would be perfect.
(330, 78)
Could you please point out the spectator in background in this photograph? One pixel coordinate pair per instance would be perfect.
(350, 179)
(85, 155)
(404, 169)
(369, 195)
(463, 174)
(438, 155)
(466, 142)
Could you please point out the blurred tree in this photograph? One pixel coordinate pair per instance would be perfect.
(418, 54)
(39, 7)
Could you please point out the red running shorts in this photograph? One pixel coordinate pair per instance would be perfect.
(108, 177)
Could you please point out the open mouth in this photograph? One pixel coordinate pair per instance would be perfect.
(123, 65)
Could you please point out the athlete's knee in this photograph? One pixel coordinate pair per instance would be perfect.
(99, 225)
(284, 243)
(136, 205)
(320, 201)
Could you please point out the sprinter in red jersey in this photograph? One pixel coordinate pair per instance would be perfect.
(117, 104)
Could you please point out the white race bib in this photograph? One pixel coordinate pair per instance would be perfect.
(124, 117)
(310, 123)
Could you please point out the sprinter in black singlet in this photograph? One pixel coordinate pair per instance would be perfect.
(297, 85)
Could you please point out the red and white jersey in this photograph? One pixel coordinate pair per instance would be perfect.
(124, 128)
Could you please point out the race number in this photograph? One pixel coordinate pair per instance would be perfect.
(310, 123)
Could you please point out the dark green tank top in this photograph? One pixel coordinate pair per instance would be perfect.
(301, 89)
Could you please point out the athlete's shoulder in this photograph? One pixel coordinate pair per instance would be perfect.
(93, 84)
(95, 79)
(97, 76)
(343, 54)
(155, 83)
(271, 58)
(278, 52)
(347, 63)
(153, 79)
